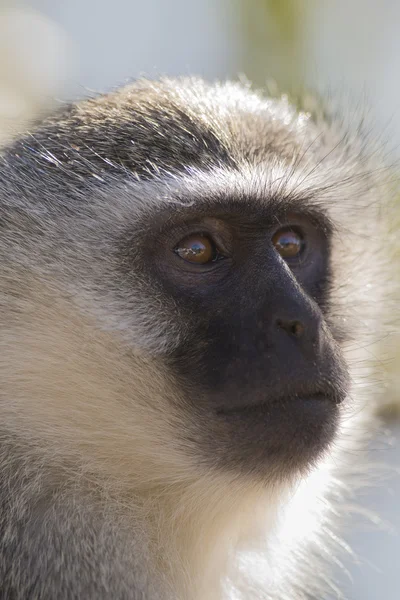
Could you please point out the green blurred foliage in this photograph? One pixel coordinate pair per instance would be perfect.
(275, 34)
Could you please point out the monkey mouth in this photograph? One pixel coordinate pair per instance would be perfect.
(274, 436)
(292, 401)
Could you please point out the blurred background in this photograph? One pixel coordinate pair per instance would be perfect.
(55, 50)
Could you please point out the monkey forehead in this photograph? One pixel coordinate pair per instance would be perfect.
(264, 191)
(332, 195)
(217, 120)
(148, 127)
(185, 134)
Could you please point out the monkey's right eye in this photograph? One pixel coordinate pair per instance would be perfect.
(197, 249)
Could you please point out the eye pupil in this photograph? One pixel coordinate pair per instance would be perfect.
(197, 249)
(288, 243)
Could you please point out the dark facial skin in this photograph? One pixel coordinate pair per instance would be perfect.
(260, 370)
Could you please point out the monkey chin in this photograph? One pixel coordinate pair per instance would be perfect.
(275, 440)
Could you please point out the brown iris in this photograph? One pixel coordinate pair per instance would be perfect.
(196, 248)
(288, 243)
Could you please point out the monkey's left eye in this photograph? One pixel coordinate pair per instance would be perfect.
(288, 243)
(197, 249)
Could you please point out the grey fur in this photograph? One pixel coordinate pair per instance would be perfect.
(78, 196)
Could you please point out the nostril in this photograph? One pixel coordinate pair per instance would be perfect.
(293, 328)
(296, 328)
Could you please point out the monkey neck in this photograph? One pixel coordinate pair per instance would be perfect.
(193, 534)
(197, 531)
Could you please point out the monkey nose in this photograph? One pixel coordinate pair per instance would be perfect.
(293, 327)
(306, 329)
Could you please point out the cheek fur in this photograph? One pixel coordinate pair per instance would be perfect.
(74, 400)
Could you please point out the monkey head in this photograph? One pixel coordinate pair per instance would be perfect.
(188, 235)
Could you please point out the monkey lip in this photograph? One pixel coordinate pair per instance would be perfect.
(284, 401)
(290, 432)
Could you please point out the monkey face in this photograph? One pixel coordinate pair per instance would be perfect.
(186, 230)
(260, 375)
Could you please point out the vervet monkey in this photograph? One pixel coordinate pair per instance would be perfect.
(190, 277)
